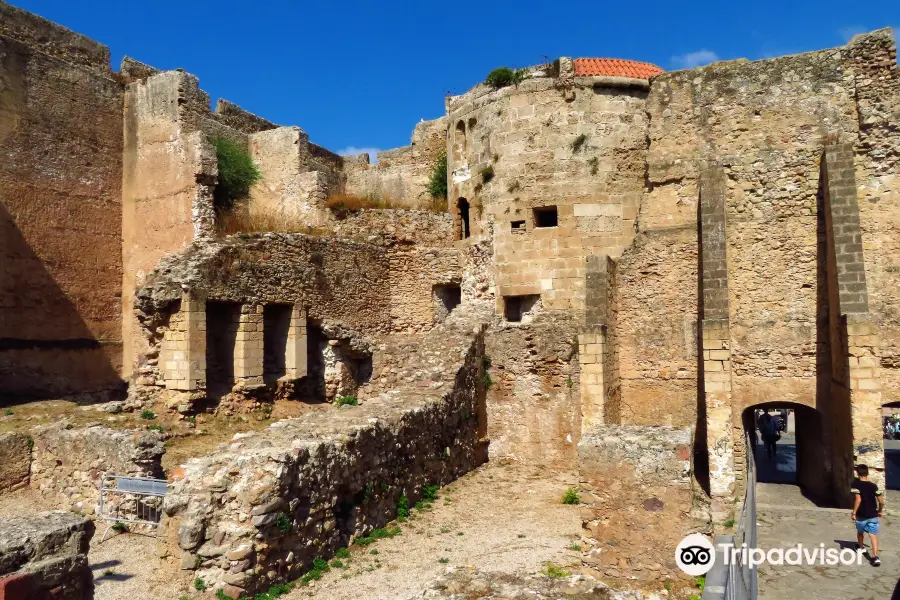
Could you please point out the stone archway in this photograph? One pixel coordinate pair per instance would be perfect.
(803, 456)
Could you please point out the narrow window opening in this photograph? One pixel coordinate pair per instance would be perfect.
(463, 207)
(517, 226)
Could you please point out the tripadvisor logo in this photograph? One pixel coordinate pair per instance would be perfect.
(695, 555)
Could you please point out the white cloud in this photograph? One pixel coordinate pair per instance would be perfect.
(694, 59)
(847, 33)
(351, 150)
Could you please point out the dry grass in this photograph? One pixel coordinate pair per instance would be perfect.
(343, 205)
(241, 220)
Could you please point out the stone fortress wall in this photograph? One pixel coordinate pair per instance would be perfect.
(60, 211)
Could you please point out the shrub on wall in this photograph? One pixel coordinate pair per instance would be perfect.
(437, 186)
(504, 76)
(237, 173)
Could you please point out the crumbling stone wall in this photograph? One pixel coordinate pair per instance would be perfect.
(45, 556)
(534, 411)
(60, 211)
(170, 173)
(15, 466)
(636, 483)
(68, 462)
(401, 175)
(262, 508)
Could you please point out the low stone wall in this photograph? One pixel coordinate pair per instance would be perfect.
(261, 509)
(15, 464)
(637, 486)
(433, 229)
(45, 556)
(67, 463)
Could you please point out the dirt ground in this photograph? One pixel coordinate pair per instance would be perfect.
(503, 518)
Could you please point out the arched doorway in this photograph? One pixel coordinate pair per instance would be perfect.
(462, 208)
(891, 425)
(801, 455)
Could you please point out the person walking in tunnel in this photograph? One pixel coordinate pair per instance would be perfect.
(768, 429)
(868, 504)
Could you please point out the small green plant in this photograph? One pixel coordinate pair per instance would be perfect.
(430, 492)
(729, 523)
(319, 568)
(119, 527)
(148, 415)
(578, 142)
(575, 546)
(403, 507)
(495, 157)
(108, 573)
(459, 533)
(571, 496)
(569, 382)
(554, 572)
(337, 564)
(8, 412)
(594, 163)
(30, 441)
(342, 553)
(377, 534)
(199, 585)
(220, 595)
(486, 363)
(487, 173)
(504, 76)
(155, 427)
(437, 185)
(420, 506)
(443, 561)
(445, 453)
(668, 586)
(521, 536)
(283, 523)
(346, 401)
(373, 551)
(445, 529)
(192, 420)
(237, 173)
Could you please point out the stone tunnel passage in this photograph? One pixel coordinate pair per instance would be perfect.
(801, 454)
(276, 328)
(891, 411)
(222, 321)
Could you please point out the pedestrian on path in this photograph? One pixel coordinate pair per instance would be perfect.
(868, 504)
(768, 428)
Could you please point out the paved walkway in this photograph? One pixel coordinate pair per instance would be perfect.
(785, 518)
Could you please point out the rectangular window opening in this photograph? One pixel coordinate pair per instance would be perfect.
(517, 226)
(545, 217)
(518, 309)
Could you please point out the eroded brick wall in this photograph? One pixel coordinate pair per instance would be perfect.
(60, 211)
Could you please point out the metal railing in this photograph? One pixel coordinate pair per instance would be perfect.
(737, 580)
(132, 500)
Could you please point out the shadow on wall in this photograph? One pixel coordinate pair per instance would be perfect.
(47, 349)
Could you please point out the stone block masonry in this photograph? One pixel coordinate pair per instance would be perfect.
(261, 509)
(44, 556)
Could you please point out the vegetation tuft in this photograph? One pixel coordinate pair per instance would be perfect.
(283, 523)
(346, 401)
(578, 142)
(342, 553)
(237, 173)
(487, 173)
(119, 527)
(437, 185)
(488, 382)
(571, 496)
(377, 534)
(594, 163)
(403, 507)
(155, 427)
(199, 585)
(8, 412)
(554, 572)
(504, 76)
(148, 414)
(430, 493)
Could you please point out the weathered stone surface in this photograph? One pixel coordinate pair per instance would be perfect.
(51, 550)
(68, 462)
(15, 466)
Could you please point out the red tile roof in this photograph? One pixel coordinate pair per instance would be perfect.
(615, 67)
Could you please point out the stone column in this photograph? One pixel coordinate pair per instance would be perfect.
(295, 361)
(854, 334)
(716, 364)
(596, 356)
(248, 347)
(183, 352)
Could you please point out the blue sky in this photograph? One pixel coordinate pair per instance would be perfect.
(361, 74)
